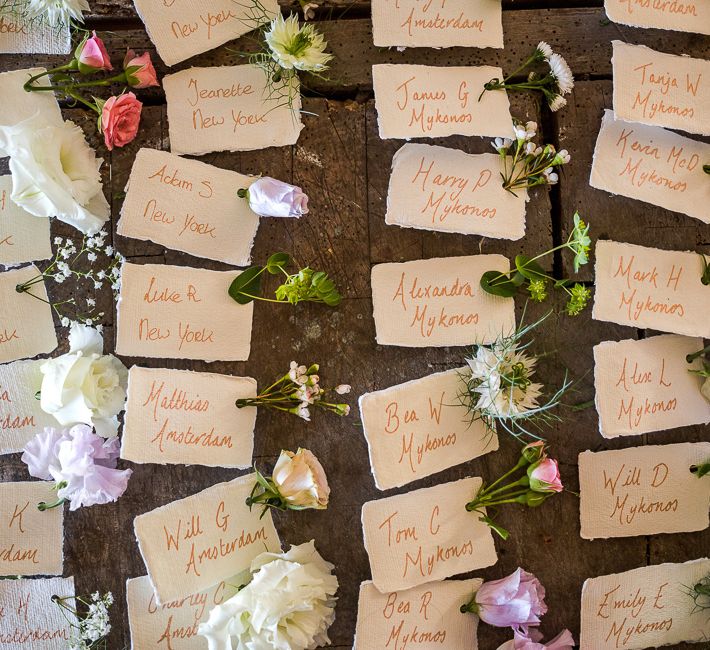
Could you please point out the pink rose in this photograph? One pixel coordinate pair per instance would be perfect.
(271, 198)
(92, 55)
(515, 601)
(120, 117)
(139, 70)
(532, 641)
(545, 476)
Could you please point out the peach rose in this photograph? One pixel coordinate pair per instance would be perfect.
(120, 117)
(139, 70)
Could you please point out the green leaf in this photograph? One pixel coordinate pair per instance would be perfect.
(248, 282)
(277, 262)
(493, 283)
(528, 268)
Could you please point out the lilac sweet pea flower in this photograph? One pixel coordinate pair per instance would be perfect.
(532, 641)
(271, 198)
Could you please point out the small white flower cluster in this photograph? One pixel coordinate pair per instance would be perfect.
(95, 626)
(308, 390)
(561, 73)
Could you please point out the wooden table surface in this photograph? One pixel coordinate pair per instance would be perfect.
(344, 167)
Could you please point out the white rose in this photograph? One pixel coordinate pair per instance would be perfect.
(288, 605)
(85, 386)
(55, 173)
(301, 480)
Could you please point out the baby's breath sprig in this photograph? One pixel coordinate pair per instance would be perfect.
(529, 276)
(92, 624)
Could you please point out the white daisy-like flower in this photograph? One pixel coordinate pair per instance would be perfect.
(57, 12)
(562, 74)
(558, 102)
(545, 50)
(297, 47)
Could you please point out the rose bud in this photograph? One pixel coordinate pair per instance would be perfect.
(301, 480)
(269, 197)
(91, 55)
(120, 117)
(545, 476)
(139, 70)
(534, 451)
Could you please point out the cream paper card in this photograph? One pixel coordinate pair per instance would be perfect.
(169, 312)
(428, 616)
(21, 417)
(26, 324)
(446, 23)
(188, 418)
(228, 108)
(439, 302)
(182, 28)
(679, 15)
(643, 491)
(419, 428)
(649, 288)
(442, 189)
(192, 544)
(643, 608)
(661, 89)
(31, 542)
(425, 535)
(19, 35)
(653, 165)
(30, 619)
(173, 625)
(189, 206)
(420, 101)
(644, 386)
(23, 237)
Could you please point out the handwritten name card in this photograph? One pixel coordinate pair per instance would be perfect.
(677, 15)
(173, 625)
(429, 617)
(425, 535)
(447, 23)
(31, 542)
(20, 35)
(643, 608)
(189, 206)
(26, 324)
(182, 28)
(442, 189)
(643, 386)
(169, 312)
(228, 108)
(419, 428)
(30, 619)
(184, 417)
(653, 165)
(643, 491)
(420, 101)
(439, 302)
(192, 544)
(648, 288)
(662, 89)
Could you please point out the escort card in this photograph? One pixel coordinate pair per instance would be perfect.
(30, 619)
(678, 15)
(21, 417)
(439, 302)
(169, 312)
(228, 108)
(644, 608)
(643, 491)
(663, 89)
(652, 165)
(437, 188)
(20, 35)
(429, 617)
(26, 324)
(425, 535)
(420, 101)
(31, 543)
(410, 23)
(188, 418)
(648, 288)
(182, 28)
(189, 206)
(419, 428)
(643, 386)
(173, 625)
(192, 544)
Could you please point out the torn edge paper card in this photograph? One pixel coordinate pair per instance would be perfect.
(661, 89)
(425, 535)
(421, 101)
(189, 206)
(447, 190)
(20, 35)
(649, 288)
(439, 302)
(448, 23)
(643, 491)
(644, 608)
(429, 614)
(420, 428)
(677, 15)
(188, 418)
(653, 165)
(229, 108)
(192, 544)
